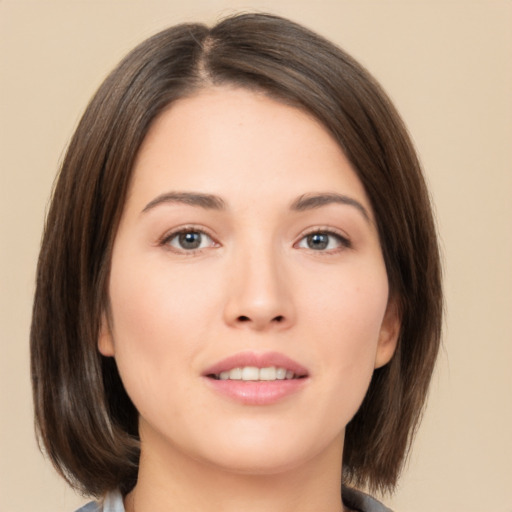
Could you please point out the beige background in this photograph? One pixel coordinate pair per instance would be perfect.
(448, 66)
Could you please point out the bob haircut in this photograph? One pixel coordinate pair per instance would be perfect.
(85, 421)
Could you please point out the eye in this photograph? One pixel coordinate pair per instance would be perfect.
(188, 240)
(323, 241)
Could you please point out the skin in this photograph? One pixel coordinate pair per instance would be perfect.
(256, 283)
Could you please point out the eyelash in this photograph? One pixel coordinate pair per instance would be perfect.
(169, 237)
(342, 241)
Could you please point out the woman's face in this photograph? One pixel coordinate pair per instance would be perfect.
(248, 293)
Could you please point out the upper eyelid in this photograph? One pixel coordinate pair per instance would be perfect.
(171, 233)
(344, 239)
(327, 230)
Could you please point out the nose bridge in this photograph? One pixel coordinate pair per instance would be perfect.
(258, 295)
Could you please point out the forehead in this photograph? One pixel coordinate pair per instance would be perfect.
(227, 140)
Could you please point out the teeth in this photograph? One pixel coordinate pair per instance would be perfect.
(250, 373)
(280, 373)
(235, 374)
(253, 373)
(268, 373)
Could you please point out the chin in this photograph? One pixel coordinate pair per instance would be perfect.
(258, 462)
(270, 453)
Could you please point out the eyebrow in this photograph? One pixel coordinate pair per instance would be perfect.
(312, 201)
(213, 202)
(206, 201)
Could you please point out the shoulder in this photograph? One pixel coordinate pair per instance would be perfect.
(354, 499)
(92, 506)
(361, 502)
(113, 502)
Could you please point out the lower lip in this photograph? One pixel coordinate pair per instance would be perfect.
(257, 392)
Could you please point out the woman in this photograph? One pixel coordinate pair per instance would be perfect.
(238, 299)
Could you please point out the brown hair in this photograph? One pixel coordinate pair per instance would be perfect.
(85, 420)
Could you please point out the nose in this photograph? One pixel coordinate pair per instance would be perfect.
(258, 291)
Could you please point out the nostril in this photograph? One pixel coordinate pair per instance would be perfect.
(278, 319)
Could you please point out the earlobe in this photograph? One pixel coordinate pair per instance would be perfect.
(389, 333)
(105, 339)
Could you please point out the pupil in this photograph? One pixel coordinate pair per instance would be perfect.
(318, 241)
(190, 240)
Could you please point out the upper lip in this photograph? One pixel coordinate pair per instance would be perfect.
(259, 360)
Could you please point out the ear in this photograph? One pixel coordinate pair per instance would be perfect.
(105, 339)
(389, 332)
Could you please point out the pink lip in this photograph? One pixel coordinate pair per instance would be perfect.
(263, 360)
(256, 392)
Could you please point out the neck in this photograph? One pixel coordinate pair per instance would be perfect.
(183, 484)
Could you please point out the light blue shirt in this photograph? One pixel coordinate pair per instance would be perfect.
(357, 500)
(113, 502)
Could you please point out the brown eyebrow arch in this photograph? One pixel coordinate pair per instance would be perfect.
(311, 201)
(207, 201)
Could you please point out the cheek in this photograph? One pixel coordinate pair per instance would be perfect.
(347, 317)
(160, 320)
(152, 301)
(349, 306)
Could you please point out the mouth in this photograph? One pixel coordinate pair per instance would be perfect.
(253, 366)
(255, 374)
(251, 378)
